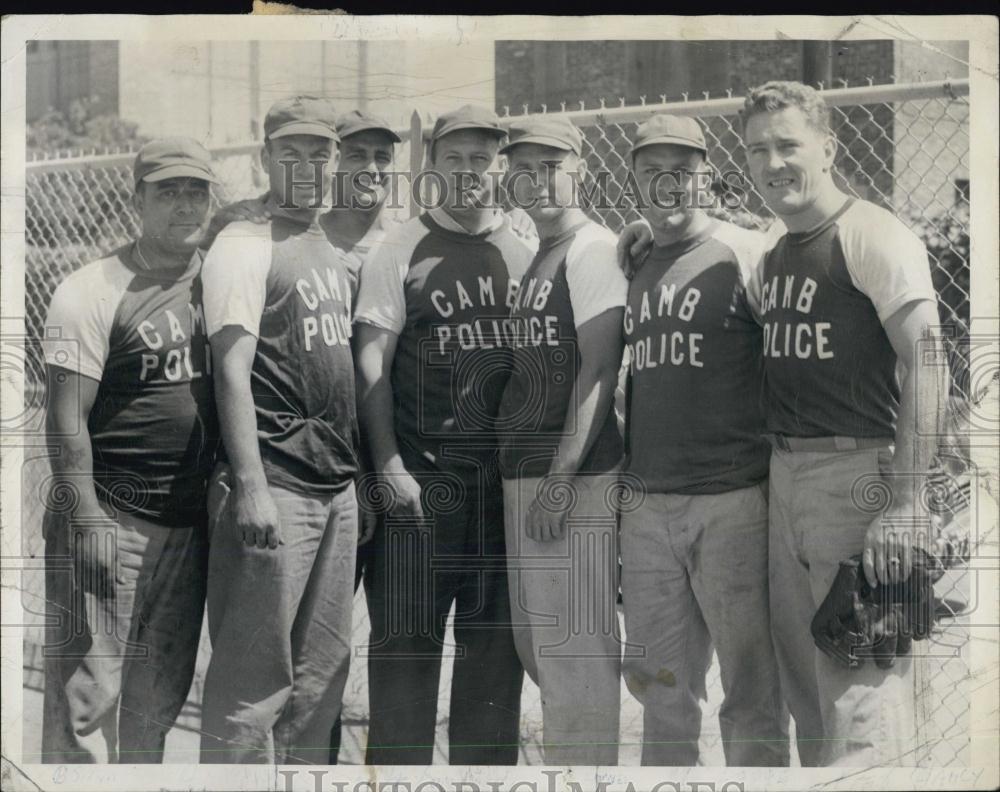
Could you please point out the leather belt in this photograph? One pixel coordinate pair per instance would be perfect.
(785, 443)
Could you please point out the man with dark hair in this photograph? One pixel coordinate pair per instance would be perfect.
(284, 516)
(433, 358)
(694, 547)
(845, 299)
(131, 415)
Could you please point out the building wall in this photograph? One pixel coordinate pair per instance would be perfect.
(537, 72)
(62, 72)
(224, 99)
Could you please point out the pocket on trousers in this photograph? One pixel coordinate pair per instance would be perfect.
(764, 489)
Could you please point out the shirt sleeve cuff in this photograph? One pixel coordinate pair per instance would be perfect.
(886, 310)
(53, 358)
(216, 327)
(379, 322)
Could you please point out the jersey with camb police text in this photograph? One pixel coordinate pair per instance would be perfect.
(572, 279)
(447, 295)
(141, 334)
(823, 296)
(284, 283)
(694, 421)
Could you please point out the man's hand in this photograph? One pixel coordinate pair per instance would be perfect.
(253, 210)
(546, 517)
(369, 522)
(255, 516)
(521, 224)
(889, 544)
(634, 244)
(405, 499)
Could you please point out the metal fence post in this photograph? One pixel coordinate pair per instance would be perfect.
(416, 159)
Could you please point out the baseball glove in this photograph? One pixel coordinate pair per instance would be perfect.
(855, 621)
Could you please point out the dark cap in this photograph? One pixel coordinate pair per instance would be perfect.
(468, 117)
(670, 129)
(552, 131)
(357, 121)
(173, 158)
(301, 115)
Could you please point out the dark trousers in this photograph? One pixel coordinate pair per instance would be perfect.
(119, 661)
(361, 564)
(456, 556)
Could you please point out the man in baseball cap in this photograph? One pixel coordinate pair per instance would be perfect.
(301, 115)
(665, 129)
(557, 429)
(300, 151)
(172, 158)
(431, 315)
(463, 148)
(360, 187)
(284, 513)
(353, 225)
(695, 548)
(131, 412)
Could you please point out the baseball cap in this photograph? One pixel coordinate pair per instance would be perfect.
(553, 131)
(467, 117)
(357, 121)
(672, 129)
(173, 158)
(301, 115)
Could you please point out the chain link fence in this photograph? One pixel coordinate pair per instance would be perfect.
(904, 147)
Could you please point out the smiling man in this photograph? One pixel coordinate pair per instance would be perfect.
(846, 300)
(694, 548)
(284, 517)
(558, 434)
(131, 414)
(433, 358)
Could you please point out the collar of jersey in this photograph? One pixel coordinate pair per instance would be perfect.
(682, 246)
(569, 233)
(126, 255)
(279, 214)
(800, 237)
(448, 223)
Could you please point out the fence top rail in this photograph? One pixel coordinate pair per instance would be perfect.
(835, 97)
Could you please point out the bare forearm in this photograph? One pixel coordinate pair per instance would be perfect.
(238, 425)
(377, 420)
(923, 407)
(73, 466)
(592, 397)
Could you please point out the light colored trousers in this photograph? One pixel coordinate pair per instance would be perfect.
(118, 668)
(280, 624)
(821, 506)
(564, 610)
(694, 574)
